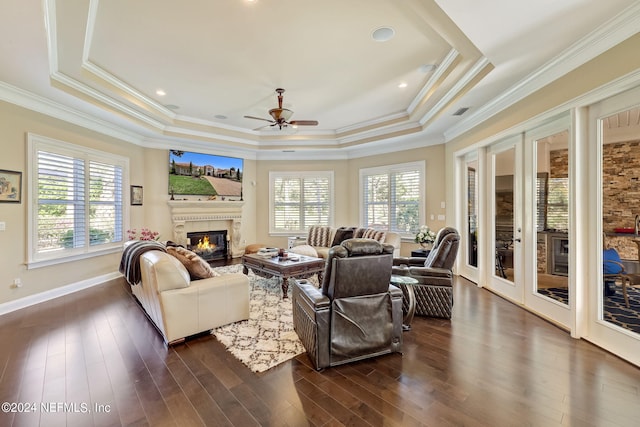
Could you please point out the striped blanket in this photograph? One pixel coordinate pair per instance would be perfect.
(130, 265)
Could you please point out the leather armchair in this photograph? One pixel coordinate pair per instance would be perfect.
(434, 291)
(356, 313)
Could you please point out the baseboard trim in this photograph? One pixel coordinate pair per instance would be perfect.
(30, 300)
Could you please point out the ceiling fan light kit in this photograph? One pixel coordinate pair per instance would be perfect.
(281, 116)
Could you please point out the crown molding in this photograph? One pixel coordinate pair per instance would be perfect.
(457, 88)
(448, 60)
(50, 108)
(605, 37)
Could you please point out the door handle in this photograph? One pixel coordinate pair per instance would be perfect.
(518, 240)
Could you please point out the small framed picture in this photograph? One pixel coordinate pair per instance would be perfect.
(136, 195)
(10, 186)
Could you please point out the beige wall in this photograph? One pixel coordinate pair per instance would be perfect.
(342, 187)
(15, 123)
(147, 168)
(346, 182)
(434, 191)
(157, 215)
(612, 64)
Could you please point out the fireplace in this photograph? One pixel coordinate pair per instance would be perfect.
(210, 245)
(560, 255)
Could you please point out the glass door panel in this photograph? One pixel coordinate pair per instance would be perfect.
(552, 217)
(621, 219)
(504, 187)
(505, 219)
(472, 213)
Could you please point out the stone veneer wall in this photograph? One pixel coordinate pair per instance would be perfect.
(621, 193)
(542, 253)
(559, 163)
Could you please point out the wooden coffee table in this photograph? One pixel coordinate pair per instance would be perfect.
(272, 267)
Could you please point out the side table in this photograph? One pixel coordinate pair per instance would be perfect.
(405, 283)
(420, 253)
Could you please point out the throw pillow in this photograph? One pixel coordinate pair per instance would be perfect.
(195, 265)
(304, 250)
(376, 235)
(319, 236)
(342, 234)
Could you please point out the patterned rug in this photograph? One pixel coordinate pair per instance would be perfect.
(267, 338)
(615, 310)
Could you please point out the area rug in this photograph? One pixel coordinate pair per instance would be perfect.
(615, 310)
(267, 338)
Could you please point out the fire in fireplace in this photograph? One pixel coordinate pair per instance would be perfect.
(210, 245)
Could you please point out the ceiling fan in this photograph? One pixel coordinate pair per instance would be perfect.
(281, 116)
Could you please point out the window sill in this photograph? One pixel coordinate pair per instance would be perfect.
(55, 261)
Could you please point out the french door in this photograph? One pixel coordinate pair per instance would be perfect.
(503, 245)
(614, 128)
(524, 209)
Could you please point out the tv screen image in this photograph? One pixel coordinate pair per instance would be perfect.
(197, 174)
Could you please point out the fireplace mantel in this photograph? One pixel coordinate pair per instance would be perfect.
(198, 215)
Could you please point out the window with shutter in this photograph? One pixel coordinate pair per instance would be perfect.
(76, 200)
(392, 197)
(300, 200)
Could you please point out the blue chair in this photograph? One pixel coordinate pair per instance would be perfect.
(612, 271)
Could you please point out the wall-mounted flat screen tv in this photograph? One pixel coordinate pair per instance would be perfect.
(197, 174)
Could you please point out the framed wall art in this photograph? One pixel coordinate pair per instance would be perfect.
(10, 186)
(136, 195)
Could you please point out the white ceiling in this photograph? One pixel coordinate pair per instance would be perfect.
(100, 63)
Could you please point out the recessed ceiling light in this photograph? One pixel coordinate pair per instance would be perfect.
(160, 92)
(402, 85)
(220, 116)
(383, 34)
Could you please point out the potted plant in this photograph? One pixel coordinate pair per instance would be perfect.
(425, 237)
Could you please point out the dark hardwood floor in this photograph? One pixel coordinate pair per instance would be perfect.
(92, 358)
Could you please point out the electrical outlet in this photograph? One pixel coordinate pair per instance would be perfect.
(17, 283)
(441, 217)
(3, 226)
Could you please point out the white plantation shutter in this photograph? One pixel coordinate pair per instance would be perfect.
(105, 203)
(77, 197)
(541, 201)
(558, 204)
(472, 208)
(392, 197)
(552, 202)
(61, 213)
(300, 200)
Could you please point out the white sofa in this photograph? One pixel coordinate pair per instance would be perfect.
(321, 238)
(180, 307)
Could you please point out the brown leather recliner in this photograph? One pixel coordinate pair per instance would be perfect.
(356, 313)
(434, 291)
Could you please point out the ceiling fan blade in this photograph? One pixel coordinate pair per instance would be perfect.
(258, 118)
(303, 122)
(265, 126)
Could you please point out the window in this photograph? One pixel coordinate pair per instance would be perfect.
(76, 200)
(552, 203)
(558, 204)
(300, 200)
(392, 197)
(542, 189)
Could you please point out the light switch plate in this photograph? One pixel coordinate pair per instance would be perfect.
(440, 217)
(3, 226)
